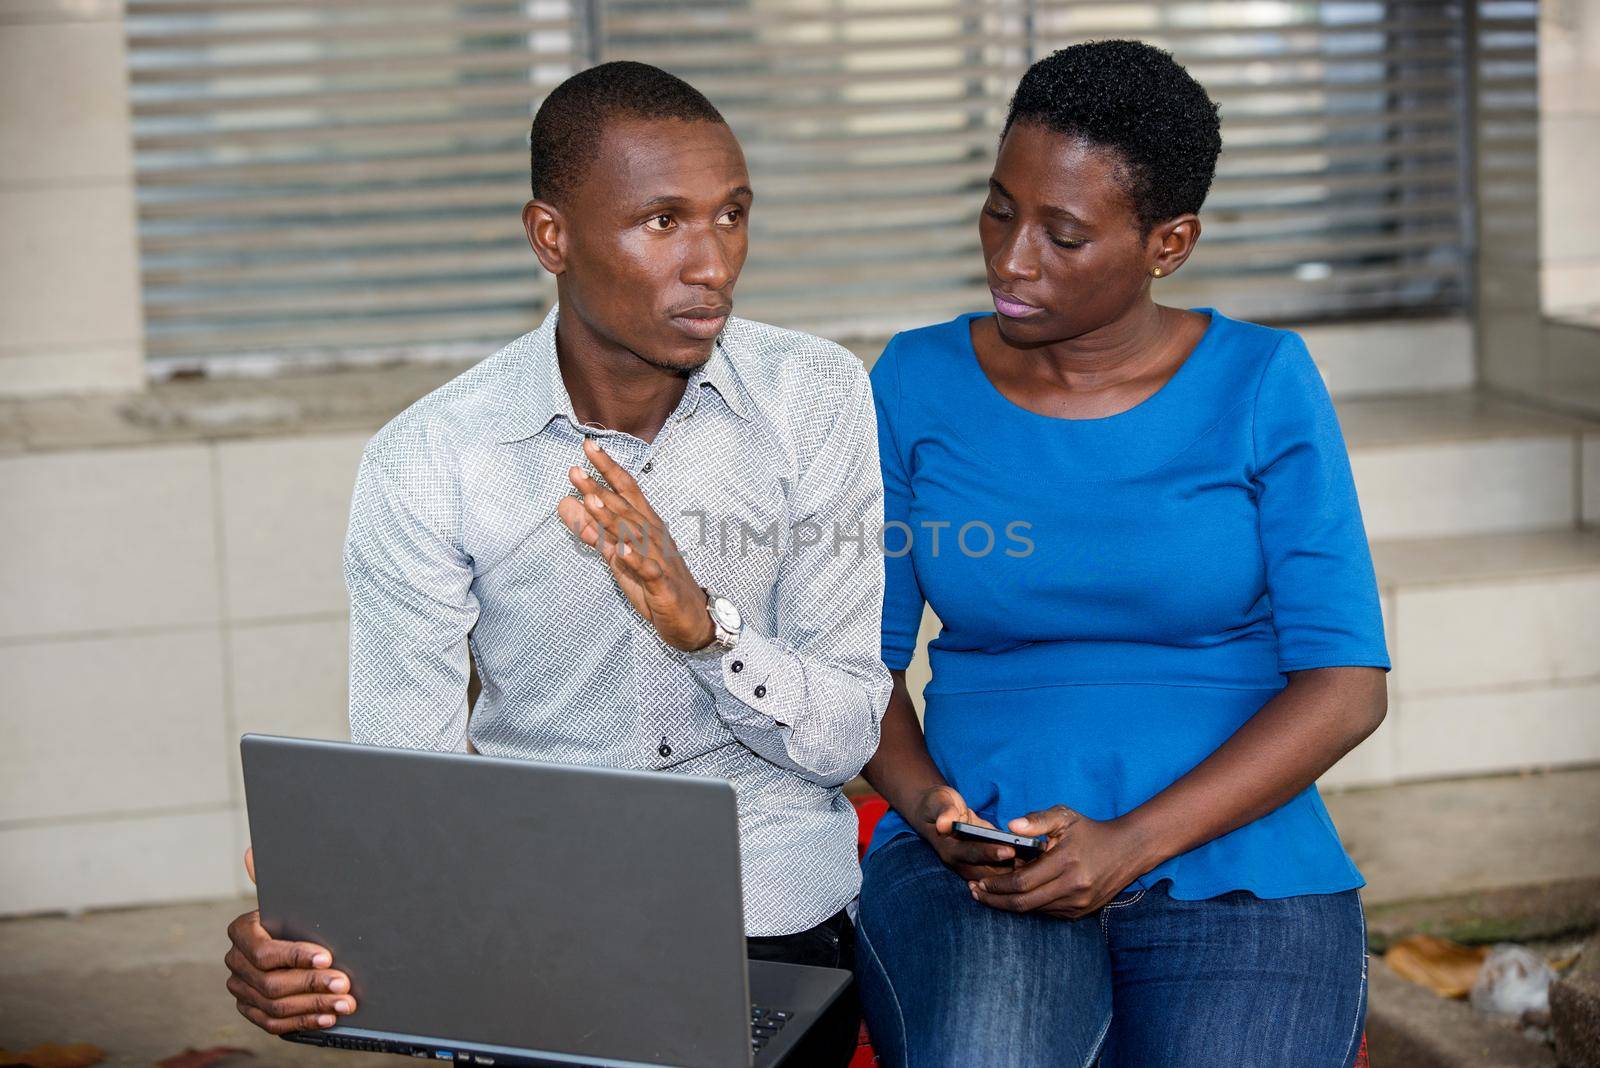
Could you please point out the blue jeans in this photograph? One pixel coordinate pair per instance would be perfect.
(1149, 981)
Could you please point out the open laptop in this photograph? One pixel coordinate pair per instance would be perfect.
(507, 912)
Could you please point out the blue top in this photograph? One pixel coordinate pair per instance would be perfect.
(1119, 595)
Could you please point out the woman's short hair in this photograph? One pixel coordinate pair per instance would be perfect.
(1134, 99)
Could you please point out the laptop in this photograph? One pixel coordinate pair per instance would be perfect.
(509, 912)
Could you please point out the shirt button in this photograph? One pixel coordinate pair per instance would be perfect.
(648, 464)
(761, 691)
(736, 667)
(665, 750)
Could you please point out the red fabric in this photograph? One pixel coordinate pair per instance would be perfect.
(864, 1057)
(869, 810)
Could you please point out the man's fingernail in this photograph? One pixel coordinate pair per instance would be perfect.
(341, 1006)
(982, 885)
(338, 985)
(321, 960)
(325, 1021)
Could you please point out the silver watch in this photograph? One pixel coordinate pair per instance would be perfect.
(728, 622)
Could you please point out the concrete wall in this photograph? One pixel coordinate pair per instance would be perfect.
(69, 262)
(155, 603)
(1569, 154)
(1522, 349)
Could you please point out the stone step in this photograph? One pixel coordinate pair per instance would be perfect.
(1465, 463)
(1393, 356)
(1496, 644)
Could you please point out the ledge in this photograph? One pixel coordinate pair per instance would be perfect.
(188, 410)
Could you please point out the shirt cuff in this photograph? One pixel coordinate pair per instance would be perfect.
(753, 673)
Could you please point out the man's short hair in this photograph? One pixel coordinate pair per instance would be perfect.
(565, 138)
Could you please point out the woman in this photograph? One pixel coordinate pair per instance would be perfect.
(1138, 527)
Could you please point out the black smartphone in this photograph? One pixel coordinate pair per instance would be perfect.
(1027, 848)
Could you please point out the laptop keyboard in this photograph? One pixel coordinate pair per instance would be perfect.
(764, 1024)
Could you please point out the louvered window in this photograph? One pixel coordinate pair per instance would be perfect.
(341, 179)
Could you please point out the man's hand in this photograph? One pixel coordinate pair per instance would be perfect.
(1086, 863)
(282, 986)
(936, 813)
(641, 554)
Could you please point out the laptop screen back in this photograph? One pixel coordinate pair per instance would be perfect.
(580, 911)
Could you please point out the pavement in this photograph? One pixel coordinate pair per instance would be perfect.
(1469, 855)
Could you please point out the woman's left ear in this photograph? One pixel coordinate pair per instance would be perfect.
(1173, 241)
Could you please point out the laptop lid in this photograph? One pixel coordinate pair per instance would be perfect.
(586, 912)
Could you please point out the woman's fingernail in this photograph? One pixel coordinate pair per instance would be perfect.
(325, 1021)
(341, 1006)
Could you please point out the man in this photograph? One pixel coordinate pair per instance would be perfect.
(657, 524)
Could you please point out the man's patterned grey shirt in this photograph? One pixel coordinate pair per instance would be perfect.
(767, 476)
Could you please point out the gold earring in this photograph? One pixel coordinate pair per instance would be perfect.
(1156, 271)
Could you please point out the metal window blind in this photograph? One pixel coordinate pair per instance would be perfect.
(341, 179)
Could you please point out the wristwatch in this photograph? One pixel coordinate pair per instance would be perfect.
(726, 619)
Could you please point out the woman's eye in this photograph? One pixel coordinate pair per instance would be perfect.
(995, 211)
(660, 223)
(1066, 242)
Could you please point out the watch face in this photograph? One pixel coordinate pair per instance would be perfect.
(726, 615)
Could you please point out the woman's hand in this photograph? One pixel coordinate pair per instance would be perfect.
(1086, 863)
(934, 817)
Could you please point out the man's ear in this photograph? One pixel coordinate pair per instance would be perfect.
(547, 234)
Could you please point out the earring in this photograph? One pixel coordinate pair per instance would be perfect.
(1156, 271)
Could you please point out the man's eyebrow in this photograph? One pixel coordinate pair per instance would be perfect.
(672, 200)
(1049, 209)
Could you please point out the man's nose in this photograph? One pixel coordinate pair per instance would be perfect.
(711, 262)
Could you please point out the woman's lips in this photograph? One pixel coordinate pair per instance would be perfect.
(1012, 309)
(703, 327)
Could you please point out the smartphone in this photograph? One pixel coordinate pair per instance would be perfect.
(1027, 848)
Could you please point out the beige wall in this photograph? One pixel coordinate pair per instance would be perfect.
(70, 319)
(155, 603)
(1569, 153)
(1523, 283)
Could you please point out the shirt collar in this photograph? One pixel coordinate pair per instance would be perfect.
(539, 395)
